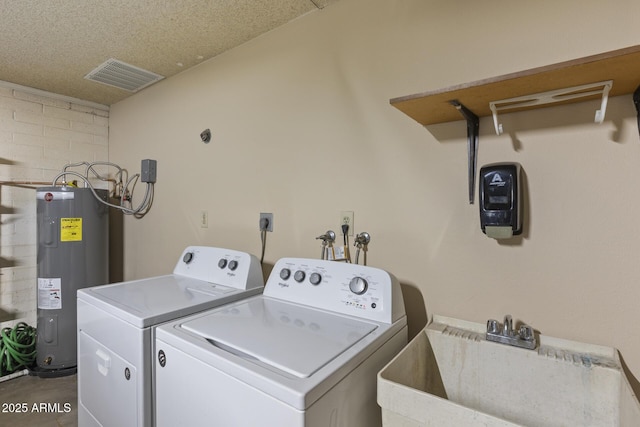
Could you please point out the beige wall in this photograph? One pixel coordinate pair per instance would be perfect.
(302, 127)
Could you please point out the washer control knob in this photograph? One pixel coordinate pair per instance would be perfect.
(222, 263)
(299, 276)
(315, 278)
(358, 285)
(233, 264)
(285, 273)
(187, 258)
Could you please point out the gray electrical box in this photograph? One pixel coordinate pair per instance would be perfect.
(148, 170)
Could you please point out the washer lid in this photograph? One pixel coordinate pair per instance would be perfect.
(295, 339)
(150, 301)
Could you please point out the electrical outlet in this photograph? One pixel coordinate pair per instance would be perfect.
(204, 219)
(269, 218)
(346, 217)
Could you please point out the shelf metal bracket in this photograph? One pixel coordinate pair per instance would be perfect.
(636, 102)
(473, 131)
(560, 95)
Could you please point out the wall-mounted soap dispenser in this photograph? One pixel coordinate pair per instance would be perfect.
(501, 200)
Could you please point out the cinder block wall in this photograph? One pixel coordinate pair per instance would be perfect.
(39, 134)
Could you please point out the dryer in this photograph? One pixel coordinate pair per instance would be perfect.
(306, 352)
(116, 329)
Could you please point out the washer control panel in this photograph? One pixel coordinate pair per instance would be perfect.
(221, 266)
(341, 287)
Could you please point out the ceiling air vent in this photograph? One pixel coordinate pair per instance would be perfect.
(122, 75)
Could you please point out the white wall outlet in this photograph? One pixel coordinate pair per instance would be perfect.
(346, 217)
(204, 219)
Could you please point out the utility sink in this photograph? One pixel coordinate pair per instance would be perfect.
(450, 375)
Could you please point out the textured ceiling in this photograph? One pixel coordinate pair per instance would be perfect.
(52, 45)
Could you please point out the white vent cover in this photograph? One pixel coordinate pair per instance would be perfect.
(122, 75)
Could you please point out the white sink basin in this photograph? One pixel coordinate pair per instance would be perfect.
(449, 375)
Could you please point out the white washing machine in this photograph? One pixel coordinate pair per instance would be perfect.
(116, 328)
(304, 353)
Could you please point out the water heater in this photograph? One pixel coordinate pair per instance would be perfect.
(73, 248)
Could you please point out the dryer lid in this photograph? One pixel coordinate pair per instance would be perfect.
(292, 338)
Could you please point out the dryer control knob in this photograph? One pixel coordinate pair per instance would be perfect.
(358, 285)
(285, 273)
(315, 278)
(299, 276)
(187, 258)
(222, 263)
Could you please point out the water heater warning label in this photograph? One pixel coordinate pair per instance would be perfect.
(70, 229)
(49, 294)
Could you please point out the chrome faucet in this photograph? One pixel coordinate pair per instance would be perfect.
(505, 334)
(362, 242)
(328, 239)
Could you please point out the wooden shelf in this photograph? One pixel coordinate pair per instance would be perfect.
(622, 66)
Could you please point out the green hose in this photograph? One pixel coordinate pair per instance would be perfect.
(17, 348)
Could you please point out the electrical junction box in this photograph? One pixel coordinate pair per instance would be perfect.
(148, 170)
(501, 200)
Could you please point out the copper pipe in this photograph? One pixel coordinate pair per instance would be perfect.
(25, 183)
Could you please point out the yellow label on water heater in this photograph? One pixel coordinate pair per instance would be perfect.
(70, 229)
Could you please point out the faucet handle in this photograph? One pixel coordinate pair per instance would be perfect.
(526, 333)
(492, 326)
